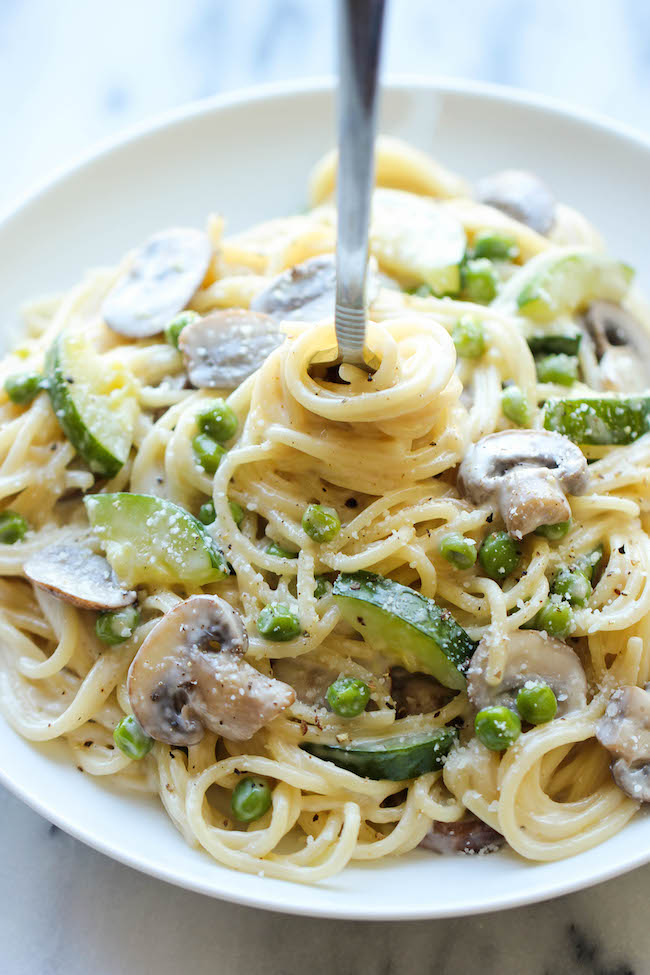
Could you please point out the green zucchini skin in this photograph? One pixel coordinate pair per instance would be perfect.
(599, 421)
(100, 460)
(395, 759)
(551, 343)
(406, 624)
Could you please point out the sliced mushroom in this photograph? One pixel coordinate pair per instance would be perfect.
(470, 835)
(305, 292)
(310, 680)
(417, 693)
(164, 274)
(530, 656)
(226, 347)
(527, 473)
(189, 675)
(621, 345)
(624, 730)
(74, 573)
(521, 195)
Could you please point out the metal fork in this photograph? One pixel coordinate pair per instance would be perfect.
(360, 24)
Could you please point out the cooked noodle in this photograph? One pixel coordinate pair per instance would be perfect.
(382, 451)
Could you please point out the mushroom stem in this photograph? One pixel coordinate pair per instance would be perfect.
(529, 498)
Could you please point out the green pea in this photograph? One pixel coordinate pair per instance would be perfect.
(208, 452)
(590, 564)
(555, 618)
(219, 421)
(207, 514)
(13, 527)
(251, 798)
(323, 587)
(320, 523)
(348, 696)
(237, 512)
(572, 585)
(117, 626)
(497, 727)
(554, 532)
(458, 550)
(278, 623)
(495, 246)
(536, 702)
(131, 739)
(177, 324)
(23, 387)
(281, 553)
(557, 368)
(469, 338)
(499, 555)
(421, 291)
(479, 281)
(514, 405)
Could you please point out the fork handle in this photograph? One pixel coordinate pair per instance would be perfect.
(360, 25)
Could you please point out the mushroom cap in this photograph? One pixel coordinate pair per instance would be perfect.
(531, 656)
(520, 194)
(226, 347)
(75, 574)
(526, 472)
(622, 347)
(469, 835)
(307, 291)
(624, 730)
(189, 675)
(163, 276)
(304, 293)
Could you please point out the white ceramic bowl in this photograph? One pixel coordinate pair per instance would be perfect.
(248, 155)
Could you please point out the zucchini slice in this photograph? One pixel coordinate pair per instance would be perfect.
(398, 758)
(555, 342)
(406, 624)
(563, 282)
(417, 240)
(94, 403)
(599, 420)
(152, 541)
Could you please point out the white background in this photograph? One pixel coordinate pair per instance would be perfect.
(73, 72)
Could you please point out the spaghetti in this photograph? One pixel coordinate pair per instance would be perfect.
(382, 452)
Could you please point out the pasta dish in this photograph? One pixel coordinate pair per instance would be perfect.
(329, 616)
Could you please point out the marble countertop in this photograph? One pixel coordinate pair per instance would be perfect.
(73, 73)
(67, 910)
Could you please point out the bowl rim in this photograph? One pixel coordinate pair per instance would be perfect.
(568, 111)
(298, 904)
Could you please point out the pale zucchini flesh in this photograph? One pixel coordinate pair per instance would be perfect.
(151, 541)
(564, 282)
(417, 240)
(93, 401)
